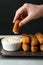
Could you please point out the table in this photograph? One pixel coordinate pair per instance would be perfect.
(20, 60)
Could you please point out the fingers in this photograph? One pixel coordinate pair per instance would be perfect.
(24, 21)
(19, 12)
(16, 17)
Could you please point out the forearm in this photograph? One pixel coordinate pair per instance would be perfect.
(41, 10)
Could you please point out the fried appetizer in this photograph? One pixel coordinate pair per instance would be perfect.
(41, 47)
(38, 33)
(34, 48)
(34, 40)
(25, 39)
(39, 37)
(16, 27)
(25, 47)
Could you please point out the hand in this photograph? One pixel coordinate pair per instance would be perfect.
(32, 11)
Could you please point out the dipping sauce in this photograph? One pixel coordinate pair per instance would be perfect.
(11, 43)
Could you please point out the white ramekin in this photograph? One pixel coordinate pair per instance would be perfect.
(10, 44)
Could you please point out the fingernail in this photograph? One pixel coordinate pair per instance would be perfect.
(13, 21)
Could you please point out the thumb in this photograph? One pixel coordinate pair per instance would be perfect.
(24, 21)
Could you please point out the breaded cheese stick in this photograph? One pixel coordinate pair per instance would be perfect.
(16, 27)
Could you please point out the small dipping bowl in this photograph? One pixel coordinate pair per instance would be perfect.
(11, 43)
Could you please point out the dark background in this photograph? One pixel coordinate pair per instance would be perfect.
(7, 12)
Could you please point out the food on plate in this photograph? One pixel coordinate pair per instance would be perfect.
(16, 27)
(34, 48)
(34, 40)
(25, 39)
(25, 42)
(41, 47)
(39, 37)
(38, 33)
(25, 47)
(28, 42)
